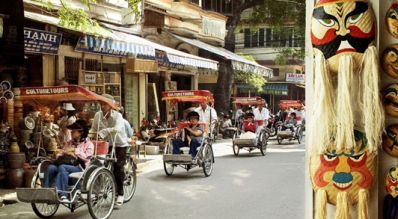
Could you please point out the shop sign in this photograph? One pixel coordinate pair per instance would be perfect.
(162, 59)
(43, 91)
(90, 78)
(39, 41)
(297, 78)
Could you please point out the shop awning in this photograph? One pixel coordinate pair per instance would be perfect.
(173, 55)
(239, 63)
(276, 89)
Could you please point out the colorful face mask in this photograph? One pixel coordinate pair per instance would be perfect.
(339, 171)
(341, 27)
(390, 61)
(390, 140)
(390, 100)
(392, 182)
(392, 20)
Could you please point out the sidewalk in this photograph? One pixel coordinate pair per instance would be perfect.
(145, 164)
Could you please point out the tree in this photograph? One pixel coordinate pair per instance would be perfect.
(273, 12)
(81, 19)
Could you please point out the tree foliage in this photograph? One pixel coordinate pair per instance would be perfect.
(254, 80)
(275, 13)
(80, 19)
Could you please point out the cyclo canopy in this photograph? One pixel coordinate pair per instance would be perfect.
(187, 96)
(67, 93)
(245, 101)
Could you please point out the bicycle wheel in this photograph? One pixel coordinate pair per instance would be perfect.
(207, 161)
(42, 210)
(101, 194)
(130, 180)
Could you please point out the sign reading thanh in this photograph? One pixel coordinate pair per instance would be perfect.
(39, 41)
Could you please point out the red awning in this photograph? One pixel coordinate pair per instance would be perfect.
(67, 93)
(188, 96)
(284, 104)
(248, 100)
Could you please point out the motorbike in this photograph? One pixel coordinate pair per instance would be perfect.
(273, 124)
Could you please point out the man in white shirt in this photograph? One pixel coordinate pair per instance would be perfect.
(205, 113)
(107, 123)
(261, 113)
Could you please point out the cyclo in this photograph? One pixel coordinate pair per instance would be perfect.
(247, 141)
(95, 185)
(204, 157)
(298, 129)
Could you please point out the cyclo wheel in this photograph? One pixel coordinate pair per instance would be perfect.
(42, 210)
(264, 142)
(299, 135)
(130, 180)
(207, 160)
(168, 168)
(279, 140)
(235, 147)
(101, 194)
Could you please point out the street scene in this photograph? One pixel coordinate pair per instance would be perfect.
(153, 109)
(246, 186)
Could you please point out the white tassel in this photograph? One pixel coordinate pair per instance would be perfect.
(323, 117)
(373, 113)
(344, 114)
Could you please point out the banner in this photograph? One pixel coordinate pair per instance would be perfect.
(39, 41)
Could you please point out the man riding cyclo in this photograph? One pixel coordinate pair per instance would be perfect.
(192, 136)
(261, 116)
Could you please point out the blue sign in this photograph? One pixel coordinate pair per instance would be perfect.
(39, 41)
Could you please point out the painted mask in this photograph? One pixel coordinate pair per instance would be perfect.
(392, 19)
(348, 170)
(342, 27)
(390, 140)
(390, 100)
(390, 61)
(392, 182)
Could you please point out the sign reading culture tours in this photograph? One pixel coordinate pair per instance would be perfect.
(39, 41)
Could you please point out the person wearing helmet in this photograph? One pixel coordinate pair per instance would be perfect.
(192, 136)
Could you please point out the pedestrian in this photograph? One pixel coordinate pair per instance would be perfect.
(68, 117)
(109, 125)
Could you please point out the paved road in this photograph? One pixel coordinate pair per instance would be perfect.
(248, 186)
